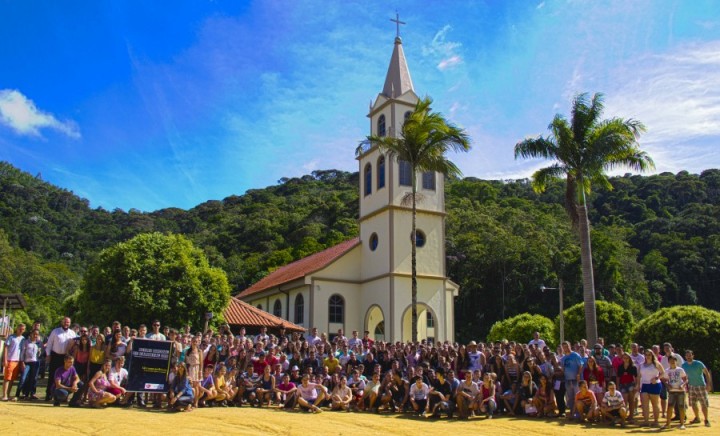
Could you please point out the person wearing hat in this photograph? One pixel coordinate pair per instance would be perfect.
(476, 357)
(295, 376)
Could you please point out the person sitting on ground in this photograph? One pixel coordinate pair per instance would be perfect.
(98, 396)
(488, 403)
(544, 399)
(286, 391)
(372, 391)
(225, 393)
(181, 392)
(613, 405)
(310, 398)
(266, 389)
(341, 396)
(585, 402)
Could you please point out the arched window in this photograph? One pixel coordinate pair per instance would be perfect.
(428, 180)
(381, 126)
(299, 309)
(336, 309)
(368, 179)
(277, 308)
(381, 172)
(405, 173)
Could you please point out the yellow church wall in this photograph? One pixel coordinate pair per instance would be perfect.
(374, 263)
(350, 292)
(430, 257)
(431, 293)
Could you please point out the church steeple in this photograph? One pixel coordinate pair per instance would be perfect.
(397, 80)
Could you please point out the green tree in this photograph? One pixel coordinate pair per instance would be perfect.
(686, 328)
(153, 276)
(615, 323)
(426, 137)
(520, 328)
(584, 149)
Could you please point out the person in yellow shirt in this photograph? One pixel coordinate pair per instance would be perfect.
(331, 363)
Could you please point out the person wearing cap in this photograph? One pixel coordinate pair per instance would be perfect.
(476, 358)
(295, 375)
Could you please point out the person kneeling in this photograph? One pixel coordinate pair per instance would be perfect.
(181, 392)
(67, 381)
(613, 405)
(585, 402)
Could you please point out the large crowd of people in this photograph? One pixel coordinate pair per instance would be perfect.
(87, 366)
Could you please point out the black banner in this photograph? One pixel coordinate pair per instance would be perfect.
(149, 366)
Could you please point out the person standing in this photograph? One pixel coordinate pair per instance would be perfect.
(699, 384)
(56, 348)
(572, 365)
(12, 360)
(31, 357)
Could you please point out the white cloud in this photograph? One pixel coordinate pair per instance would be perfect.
(676, 95)
(20, 114)
(449, 62)
(441, 48)
(540, 6)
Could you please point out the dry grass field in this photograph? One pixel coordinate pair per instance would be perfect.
(40, 418)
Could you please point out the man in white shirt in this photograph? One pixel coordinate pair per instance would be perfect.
(355, 341)
(156, 335)
(57, 346)
(539, 343)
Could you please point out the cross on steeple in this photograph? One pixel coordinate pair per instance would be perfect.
(397, 23)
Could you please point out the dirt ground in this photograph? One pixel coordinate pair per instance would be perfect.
(40, 418)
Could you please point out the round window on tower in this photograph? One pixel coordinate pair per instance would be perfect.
(373, 241)
(419, 238)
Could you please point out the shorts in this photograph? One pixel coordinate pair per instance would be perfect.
(614, 412)
(12, 370)
(677, 399)
(627, 388)
(651, 388)
(699, 394)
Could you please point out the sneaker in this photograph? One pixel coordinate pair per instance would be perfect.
(707, 423)
(682, 427)
(695, 421)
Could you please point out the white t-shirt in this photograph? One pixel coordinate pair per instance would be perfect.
(666, 364)
(32, 349)
(472, 389)
(475, 361)
(675, 379)
(648, 373)
(420, 393)
(118, 376)
(309, 392)
(13, 347)
(538, 343)
(613, 401)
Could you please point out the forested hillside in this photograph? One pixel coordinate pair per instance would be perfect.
(656, 239)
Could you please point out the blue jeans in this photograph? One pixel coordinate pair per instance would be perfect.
(571, 389)
(28, 379)
(61, 395)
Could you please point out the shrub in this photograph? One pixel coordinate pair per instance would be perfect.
(614, 323)
(520, 328)
(685, 327)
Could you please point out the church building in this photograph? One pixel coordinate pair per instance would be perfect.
(364, 284)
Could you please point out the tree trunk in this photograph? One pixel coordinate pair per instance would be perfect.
(413, 262)
(587, 273)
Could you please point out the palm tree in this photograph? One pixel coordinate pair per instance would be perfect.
(584, 149)
(426, 137)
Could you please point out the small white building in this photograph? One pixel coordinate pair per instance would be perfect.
(365, 283)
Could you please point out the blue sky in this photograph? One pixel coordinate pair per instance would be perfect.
(147, 105)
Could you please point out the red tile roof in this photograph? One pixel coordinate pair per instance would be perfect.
(241, 313)
(300, 268)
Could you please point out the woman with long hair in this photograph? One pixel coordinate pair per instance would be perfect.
(649, 384)
(627, 378)
(544, 399)
(97, 392)
(595, 376)
(181, 393)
